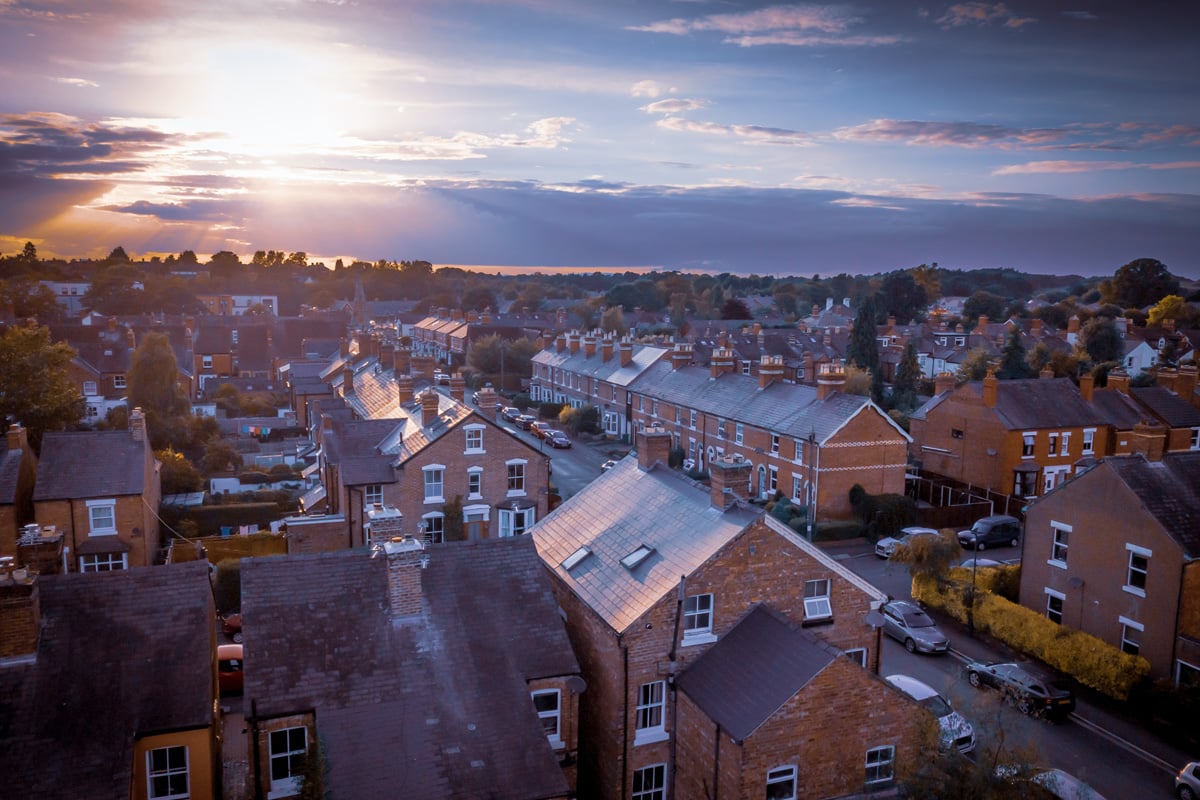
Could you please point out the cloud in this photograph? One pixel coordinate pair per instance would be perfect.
(82, 83)
(648, 89)
(46, 144)
(978, 13)
(795, 25)
(1062, 167)
(197, 210)
(1089, 136)
(1083, 15)
(675, 105)
(757, 133)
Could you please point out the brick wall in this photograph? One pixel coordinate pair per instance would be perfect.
(136, 526)
(20, 617)
(568, 725)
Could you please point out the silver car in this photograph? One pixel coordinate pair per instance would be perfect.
(907, 623)
(1187, 782)
(887, 545)
(955, 731)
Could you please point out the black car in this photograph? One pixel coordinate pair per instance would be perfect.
(1031, 691)
(998, 530)
(510, 413)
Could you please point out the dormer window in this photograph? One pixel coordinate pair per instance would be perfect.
(637, 556)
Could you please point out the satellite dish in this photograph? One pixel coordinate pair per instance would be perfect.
(577, 684)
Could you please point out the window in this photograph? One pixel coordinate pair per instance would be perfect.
(775, 444)
(745, 367)
(956, 433)
(475, 439)
(167, 773)
(799, 457)
(373, 494)
(435, 527)
(288, 751)
(781, 783)
(475, 483)
(858, 655)
(103, 562)
(1054, 606)
(697, 617)
(1052, 450)
(574, 560)
(118, 381)
(880, 764)
(206, 362)
(720, 429)
(514, 522)
(1131, 635)
(739, 432)
(1065, 450)
(1058, 550)
(650, 706)
(639, 554)
(650, 783)
(1194, 443)
(516, 477)
(797, 488)
(773, 481)
(434, 477)
(654, 408)
(1089, 437)
(692, 419)
(1139, 565)
(816, 600)
(1027, 446)
(102, 516)
(89, 389)
(678, 414)
(547, 704)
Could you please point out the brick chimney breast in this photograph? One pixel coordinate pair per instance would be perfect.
(589, 346)
(347, 380)
(429, 407)
(1087, 387)
(404, 388)
(1149, 439)
(770, 370)
(606, 349)
(401, 360)
(406, 562)
(137, 425)
(729, 477)
(625, 349)
(17, 438)
(991, 386)
(832, 378)
(653, 445)
(458, 387)
(943, 382)
(20, 612)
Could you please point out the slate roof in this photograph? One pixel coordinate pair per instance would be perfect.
(753, 670)
(1040, 403)
(621, 510)
(611, 370)
(82, 464)
(1168, 406)
(10, 473)
(213, 337)
(1117, 408)
(1169, 489)
(121, 654)
(437, 707)
(253, 348)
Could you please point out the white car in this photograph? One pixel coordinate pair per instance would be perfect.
(956, 731)
(887, 545)
(1187, 782)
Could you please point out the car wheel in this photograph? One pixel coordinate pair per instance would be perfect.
(1024, 706)
(981, 546)
(910, 645)
(1186, 793)
(1013, 543)
(974, 679)
(237, 637)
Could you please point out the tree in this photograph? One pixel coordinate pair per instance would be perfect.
(613, 321)
(858, 381)
(117, 256)
(220, 456)
(1102, 340)
(479, 298)
(29, 253)
(735, 308)
(903, 297)
(863, 349)
(1175, 308)
(35, 387)
(502, 361)
(985, 304)
(928, 277)
(115, 290)
(908, 380)
(178, 474)
(1013, 363)
(153, 386)
(1139, 283)
(975, 366)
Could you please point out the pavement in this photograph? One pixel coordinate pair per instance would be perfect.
(1102, 714)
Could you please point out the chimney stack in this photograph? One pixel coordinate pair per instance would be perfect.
(589, 346)
(722, 362)
(406, 562)
(991, 386)
(347, 379)
(458, 387)
(606, 348)
(1167, 378)
(981, 325)
(943, 382)
(681, 355)
(17, 438)
(137, 425)
(20, 611)
(131, 338)
(387, 355)
(1119, 379)
(560, 343)
(1186, 384)
(729, 477)
(1047, 373)
(832, 378)
(573, 343)
(487, 400)
(810, 375)
(1087, 387)
(422, 367)
(770, 370)
(429, 407)
(404, 388)
(625, 350)
(653, 445)
(1149, 439)
(401, 360)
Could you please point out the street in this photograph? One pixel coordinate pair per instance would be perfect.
(572, 467)
(1114, 757)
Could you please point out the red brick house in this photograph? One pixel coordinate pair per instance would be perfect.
(1115, 552)
(101, 490)
(652, 570)
(413, 685)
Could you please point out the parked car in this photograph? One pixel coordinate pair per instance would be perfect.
(510, 413)
(440, 377)
(229, 669)
(1055, 782)
(1187, 782)
(525, 421)
(231, 626)
(540, 429)
(887, 545)
(607, 465)
(956, 732)
(1030, 690)
(998, 530)
(557, 439)
(907, 623)
(981, 563)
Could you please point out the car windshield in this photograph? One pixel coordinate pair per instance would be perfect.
(917, 619)
(937, 705)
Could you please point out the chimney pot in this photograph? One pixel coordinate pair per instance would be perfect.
(429, 407)
(832, 379)
(406, 560)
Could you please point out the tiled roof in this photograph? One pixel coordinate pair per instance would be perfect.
(1169, 489)
(1117, 408)
(611, 370)
(213, 338)
(438, 707)
(82, 464)
(753, 670)
(253, 348)
(121, 654)
(622, 510)
(1168, 406)
(1041, 403)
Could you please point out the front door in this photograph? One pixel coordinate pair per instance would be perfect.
(476, 525)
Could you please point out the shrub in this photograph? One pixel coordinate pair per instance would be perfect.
(253, 477)
(550, 410)
(675, 457)
(227, 585)
(837, 530)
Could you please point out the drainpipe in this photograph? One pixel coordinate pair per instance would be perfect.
(625, 720)
(671, 683)
(716, 775)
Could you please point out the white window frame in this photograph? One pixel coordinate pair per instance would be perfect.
(1059, 549)
(206, 362)
(774, 444)
(168, 772)
(550, 715)
(745, 367)
(103, 562)
(650, 715)
(880, 765)
(1136, 552)
(1089, 441)
(1194, 442)
(692, 418)
(739, 433)
(858, 655)
(698, 619)
(1065, 444)
(119, 382)
(654, 407)
(94, 506)
(650, 783)
(90, 389)
(435, 533)
(286, 786)
(1128, 641)
(508, 520)
(372, 494)
(1051, 596)
(799, 459)
(720, 428)
(474, 440)
(773, 479)
(818, 606)
(474, 481)
(797, 488)
(781, 779)
(515, 474)
(435, 478)
(1052, 450)
(1028, 444)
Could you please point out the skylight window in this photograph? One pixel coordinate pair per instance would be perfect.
(573, 560)
(637, 556)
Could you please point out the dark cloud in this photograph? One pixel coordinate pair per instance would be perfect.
(53, 144)
(189, 211)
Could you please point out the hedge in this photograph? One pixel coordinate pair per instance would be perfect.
(210, 519)
(1090, 660)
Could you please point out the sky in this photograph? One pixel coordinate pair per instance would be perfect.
(696, 135)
